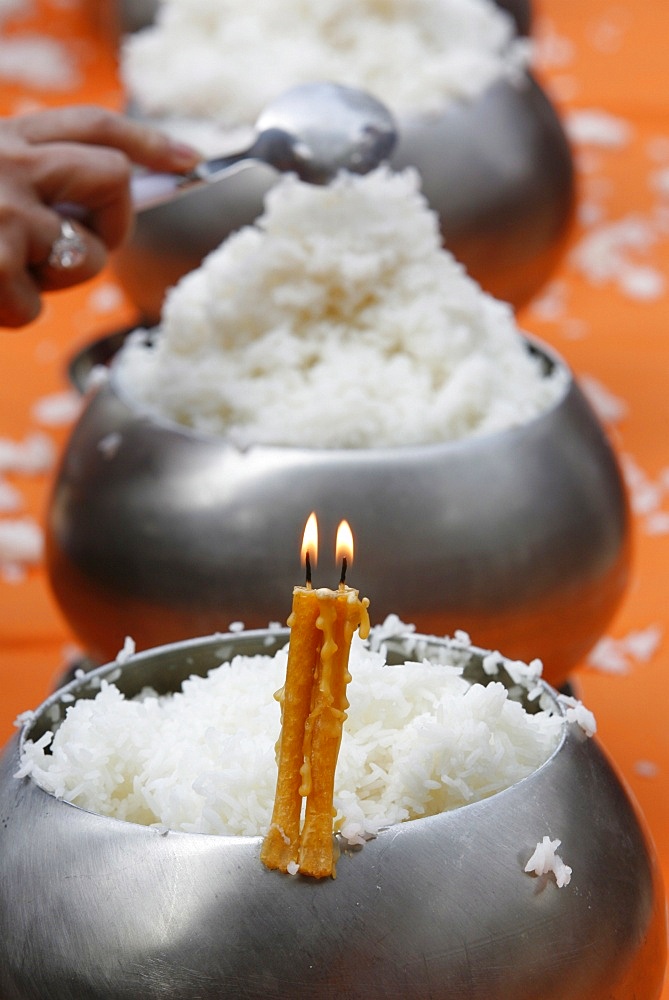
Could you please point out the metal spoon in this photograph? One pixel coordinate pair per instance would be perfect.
(313, 130)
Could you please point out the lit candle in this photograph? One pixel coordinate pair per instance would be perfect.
(281, 845)
(313, 710)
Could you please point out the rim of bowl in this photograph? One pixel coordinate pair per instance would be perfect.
(134, 20)
(551, 358)
(510, 79)
(111, 668)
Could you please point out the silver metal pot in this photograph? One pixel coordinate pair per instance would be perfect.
(438, 908)
(136, 14)
(497, 170)
(520, 537)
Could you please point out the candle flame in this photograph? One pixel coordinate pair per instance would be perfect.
(344, 543)
(310, 540)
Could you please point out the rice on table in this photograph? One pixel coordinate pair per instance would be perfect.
(416, 55)
(337, 320)
(419, 739)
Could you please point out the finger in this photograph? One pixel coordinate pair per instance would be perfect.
(92, 125)
(28, 233)
(20, 299)
(21, 238)
(95, 178)
(74, 255)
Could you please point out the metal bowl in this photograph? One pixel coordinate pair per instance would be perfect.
(498, 172)
(438, 907)
(520, 537)
(136, 14)
(132, 15)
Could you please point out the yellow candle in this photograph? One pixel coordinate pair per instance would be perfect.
(281, 845)
(313, 711)
(341, 613)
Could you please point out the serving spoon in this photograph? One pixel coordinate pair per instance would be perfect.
(314, 130)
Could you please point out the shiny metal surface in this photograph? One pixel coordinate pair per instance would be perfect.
(137, 14)
(521, 538)
(521, 12)
(437, 908)
(498, 171)
(314, 130)
(134, 15)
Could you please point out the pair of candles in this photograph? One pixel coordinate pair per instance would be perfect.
(313, 710)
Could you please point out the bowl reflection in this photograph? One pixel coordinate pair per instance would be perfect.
(520, 537)
(438, 907)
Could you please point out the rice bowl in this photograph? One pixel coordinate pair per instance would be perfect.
(333, 356)
(493, 157)
(337, 320)
(407, 914)
(419, 739)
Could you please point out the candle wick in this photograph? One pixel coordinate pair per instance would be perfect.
(342, 578)
(307, 563)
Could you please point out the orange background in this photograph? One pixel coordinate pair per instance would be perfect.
(607, 56)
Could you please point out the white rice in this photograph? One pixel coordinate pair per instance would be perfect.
(21, 541)
(419, 739)
(10, 7)
(35, 454)
(592, 127)
(57, 409)
(39, 62)
(11, 499)
(545, 860)
(228, 58)
(617, 252)
(337, 320)
(576, 712)
(621, 655)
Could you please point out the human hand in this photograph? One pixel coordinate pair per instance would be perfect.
(79, 155)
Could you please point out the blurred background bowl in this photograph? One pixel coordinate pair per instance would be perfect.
(132, 15)
(436, 908)
(519, 537)
(497, 170)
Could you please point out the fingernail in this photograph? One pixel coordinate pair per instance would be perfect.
(183, 154)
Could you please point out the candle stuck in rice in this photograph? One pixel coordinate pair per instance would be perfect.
(313, 711)
(419, 739)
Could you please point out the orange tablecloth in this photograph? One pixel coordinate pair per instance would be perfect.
(606, 311)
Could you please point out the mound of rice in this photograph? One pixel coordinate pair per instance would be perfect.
(419, 739)
(337, 320)
(417, 55)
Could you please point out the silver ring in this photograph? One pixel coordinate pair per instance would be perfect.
(68, 250)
